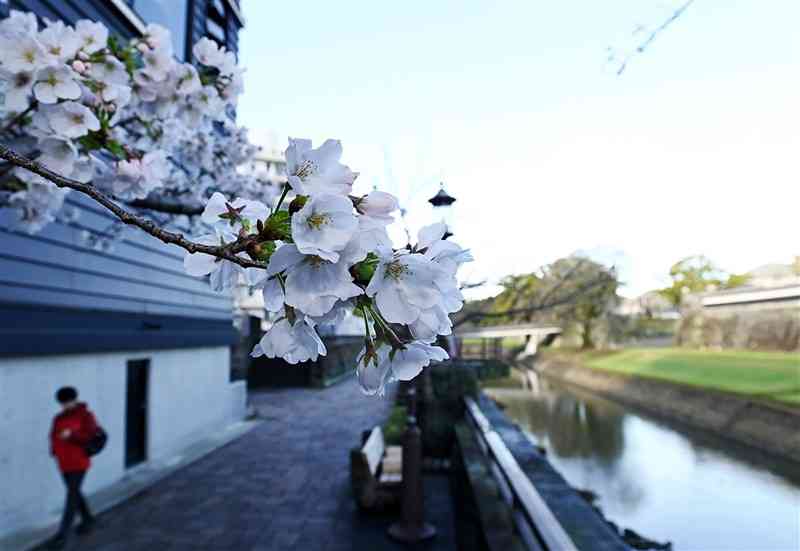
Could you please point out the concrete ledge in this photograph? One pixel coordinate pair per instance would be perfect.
(770, 428)
(584, 525)
(134, 482)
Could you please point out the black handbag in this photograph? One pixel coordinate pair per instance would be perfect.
(97, 442)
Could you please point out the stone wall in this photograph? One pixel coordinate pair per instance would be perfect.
(772, 428)
(753, 330)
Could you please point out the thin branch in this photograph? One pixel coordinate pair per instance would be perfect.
(471, 285)
(653, 35)
(225, 252)
(539, 307)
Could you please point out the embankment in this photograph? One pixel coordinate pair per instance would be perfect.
(772, 428)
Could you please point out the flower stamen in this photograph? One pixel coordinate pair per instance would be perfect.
(316, 221)
(306, 169)
(395, 270)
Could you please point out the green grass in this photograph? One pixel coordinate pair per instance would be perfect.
(770, 375)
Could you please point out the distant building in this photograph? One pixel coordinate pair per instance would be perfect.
(763, 314)
(771, 287)
(269, 165)
(147, 345)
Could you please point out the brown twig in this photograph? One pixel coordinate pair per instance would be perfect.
(225, 252)
(19, 117)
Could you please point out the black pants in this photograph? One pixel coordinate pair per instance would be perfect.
(75, 501)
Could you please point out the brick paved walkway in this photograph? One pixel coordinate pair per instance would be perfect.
(284, 485)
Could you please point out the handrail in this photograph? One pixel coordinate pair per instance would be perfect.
(536, 515)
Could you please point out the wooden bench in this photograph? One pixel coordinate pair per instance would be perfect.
(376, 473)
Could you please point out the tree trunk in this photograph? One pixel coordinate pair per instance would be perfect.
(588, 343)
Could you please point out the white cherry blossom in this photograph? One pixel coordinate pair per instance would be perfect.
(317, 171)
(294, 343)
(217, 212)
(17, 94)
(110, 71)
(55, 84)
(208, 53)
(379, 205)
(324, 226)
(71, 119)
(18, 24)
(223, 274)
(384, 367)
(22, 54)
(430, 234)
(60, 42)
(138, 177)
(93, 36)
(403, 286)
(58, 155)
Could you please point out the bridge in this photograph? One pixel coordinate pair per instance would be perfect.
(533, 333)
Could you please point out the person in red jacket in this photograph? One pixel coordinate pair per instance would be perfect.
(72, 430)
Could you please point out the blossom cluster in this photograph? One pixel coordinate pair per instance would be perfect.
(328, 255)
(127, 117)
(142, 127)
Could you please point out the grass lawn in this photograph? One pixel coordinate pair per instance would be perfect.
(771, 375)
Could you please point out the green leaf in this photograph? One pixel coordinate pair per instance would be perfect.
(364, 270)
(92, 141)
(278, 226)
(116, 148)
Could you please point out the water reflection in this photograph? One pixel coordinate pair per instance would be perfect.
(667, 482)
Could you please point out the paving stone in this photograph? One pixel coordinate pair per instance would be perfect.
(283, 485)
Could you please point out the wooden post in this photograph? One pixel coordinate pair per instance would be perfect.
(412, 527)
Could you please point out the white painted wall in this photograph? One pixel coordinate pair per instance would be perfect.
(189, 397)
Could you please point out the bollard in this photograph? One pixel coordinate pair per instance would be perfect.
(412, 526)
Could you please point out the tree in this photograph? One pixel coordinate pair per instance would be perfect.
(695, 274)
(154, 141)
(594, 303)
(572, 290)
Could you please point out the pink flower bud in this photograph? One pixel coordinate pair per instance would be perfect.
(142, 47)
(83, 56)
(378, 204)
(79, 66)
(111, 108)
(88, 66)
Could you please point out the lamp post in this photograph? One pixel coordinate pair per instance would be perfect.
(441, 203)
(412, 527)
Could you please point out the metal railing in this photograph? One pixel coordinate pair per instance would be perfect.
(536, 524)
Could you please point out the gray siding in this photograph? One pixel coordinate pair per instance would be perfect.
(54, 289)
(140, 274)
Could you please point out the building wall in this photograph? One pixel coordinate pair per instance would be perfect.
(189, 397)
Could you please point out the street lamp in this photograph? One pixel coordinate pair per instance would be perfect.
(441, 203)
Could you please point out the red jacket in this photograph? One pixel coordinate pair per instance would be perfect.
(69, 452)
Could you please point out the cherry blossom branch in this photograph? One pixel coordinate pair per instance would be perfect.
(225, 252)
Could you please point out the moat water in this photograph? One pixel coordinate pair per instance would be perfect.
(666, 481)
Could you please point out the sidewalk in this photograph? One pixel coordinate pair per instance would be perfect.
(283, 485)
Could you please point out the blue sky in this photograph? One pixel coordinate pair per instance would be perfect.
(694, 149)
